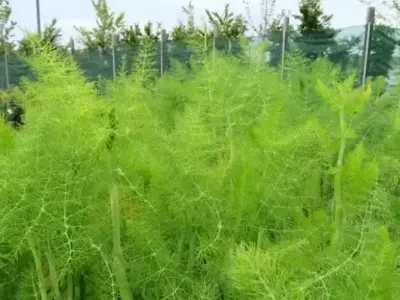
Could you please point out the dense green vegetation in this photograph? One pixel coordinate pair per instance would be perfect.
(222, 182)
(217, 180)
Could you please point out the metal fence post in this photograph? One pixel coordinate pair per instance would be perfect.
(39, 27)
(114, 67)
(367, 43)
(72, 45)
(162, 43)
(284, 44)
(6, 66)
(215, 36)
(249, 50)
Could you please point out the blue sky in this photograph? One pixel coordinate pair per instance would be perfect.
(80, 12)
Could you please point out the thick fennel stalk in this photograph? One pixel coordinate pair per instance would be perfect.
(337, 196)
(397, 115)
(53, 274)
(70, 287)
(39, 270)
(118, 258)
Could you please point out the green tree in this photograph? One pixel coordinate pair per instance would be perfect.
(151, 34)
(51, 36)
(383, 45)
(132, 39)
(7, 26)
(315, 37)
(346, 53)
(131, 35)
(186, 32)
(100, 37)
(187, 38)
(179, 32)
(230, 26)
(134, 35)
(274, 37)
(270, 28)
(267, 9)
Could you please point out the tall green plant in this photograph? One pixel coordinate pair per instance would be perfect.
(50, 38)
(315, 36)
(346, 103)
(100, 37)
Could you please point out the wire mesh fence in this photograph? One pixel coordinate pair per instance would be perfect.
(371, 50)
(344, 47)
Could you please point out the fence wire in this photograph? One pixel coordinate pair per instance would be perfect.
(344, 47)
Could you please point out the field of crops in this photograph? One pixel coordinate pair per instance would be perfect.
(224, 182)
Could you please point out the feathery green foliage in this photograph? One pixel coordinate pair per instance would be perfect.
(222, 183)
